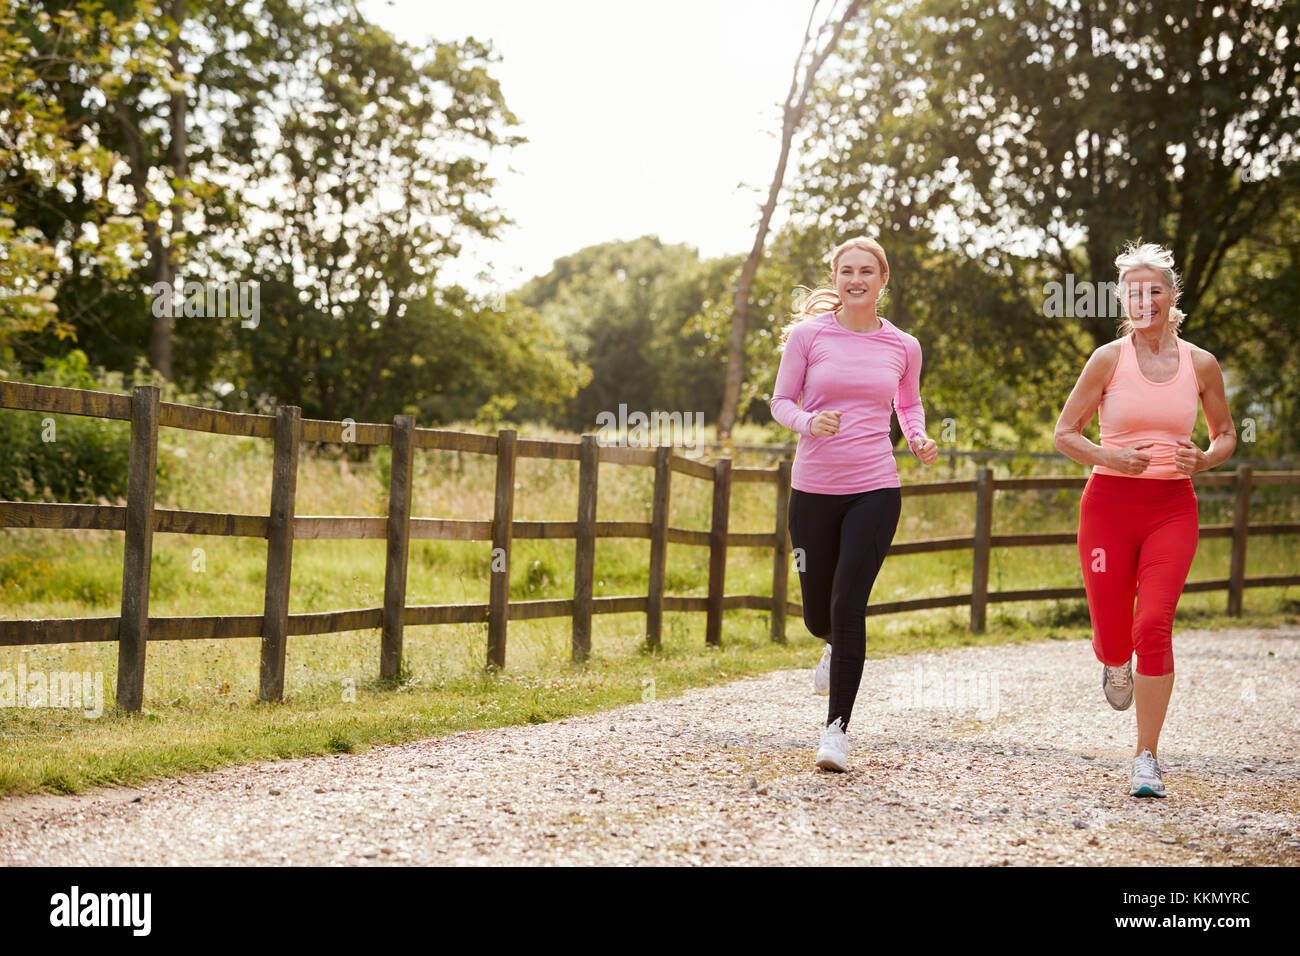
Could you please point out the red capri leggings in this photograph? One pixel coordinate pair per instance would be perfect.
(1137, 536)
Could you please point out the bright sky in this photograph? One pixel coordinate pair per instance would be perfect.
(642, 118)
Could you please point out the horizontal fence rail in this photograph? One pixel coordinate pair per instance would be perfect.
(139, 520)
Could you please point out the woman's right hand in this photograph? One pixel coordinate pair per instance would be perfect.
(1131, 459)
(825, 423)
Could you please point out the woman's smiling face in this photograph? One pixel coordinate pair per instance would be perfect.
(1147, 298)
(858, 278)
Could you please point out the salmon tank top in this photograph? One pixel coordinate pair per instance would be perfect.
(1134, 410)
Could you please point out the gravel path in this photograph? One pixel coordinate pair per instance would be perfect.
(986, 755)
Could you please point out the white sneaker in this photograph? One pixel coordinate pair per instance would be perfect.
(1146, 779)
(822, 675)
(833, 754)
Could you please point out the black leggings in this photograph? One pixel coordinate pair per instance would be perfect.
(844, 540)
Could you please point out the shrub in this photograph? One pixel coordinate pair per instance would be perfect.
(69, 458)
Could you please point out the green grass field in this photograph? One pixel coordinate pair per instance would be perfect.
(201, 709)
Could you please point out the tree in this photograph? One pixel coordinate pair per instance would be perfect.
(289, 146)
(994, 148)
(58, 217)
(161, 176)
(1095, 123)
(449, 357)
(1255, 326)
(623, 309)
(353, 197)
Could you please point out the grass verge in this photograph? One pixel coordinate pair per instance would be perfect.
(62, 751)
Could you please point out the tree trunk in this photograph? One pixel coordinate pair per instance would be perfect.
(160, 337)
(160, 326)
(795, 102)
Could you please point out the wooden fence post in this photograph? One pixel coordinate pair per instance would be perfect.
(584, 561)
(1240, 532)
(781, 556)
(503, 517)
(399, 539)
(133, 632)
(654, 615)
(718, 549)
(279, 552)
(979, 589)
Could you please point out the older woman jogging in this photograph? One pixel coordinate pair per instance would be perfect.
(1138, 524)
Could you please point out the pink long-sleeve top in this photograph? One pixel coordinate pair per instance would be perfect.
(826, 367)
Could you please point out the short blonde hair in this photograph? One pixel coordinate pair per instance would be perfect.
(824, 299)
(1148, 255)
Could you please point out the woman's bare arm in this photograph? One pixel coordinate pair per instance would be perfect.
(1214, 401)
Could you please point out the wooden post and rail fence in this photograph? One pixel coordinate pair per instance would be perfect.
(139, 519)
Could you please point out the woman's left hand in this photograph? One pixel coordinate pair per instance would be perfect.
(1189, 459)
(925, 449)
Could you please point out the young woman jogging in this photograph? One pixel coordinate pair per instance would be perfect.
(842, 368)
(1138, 523)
